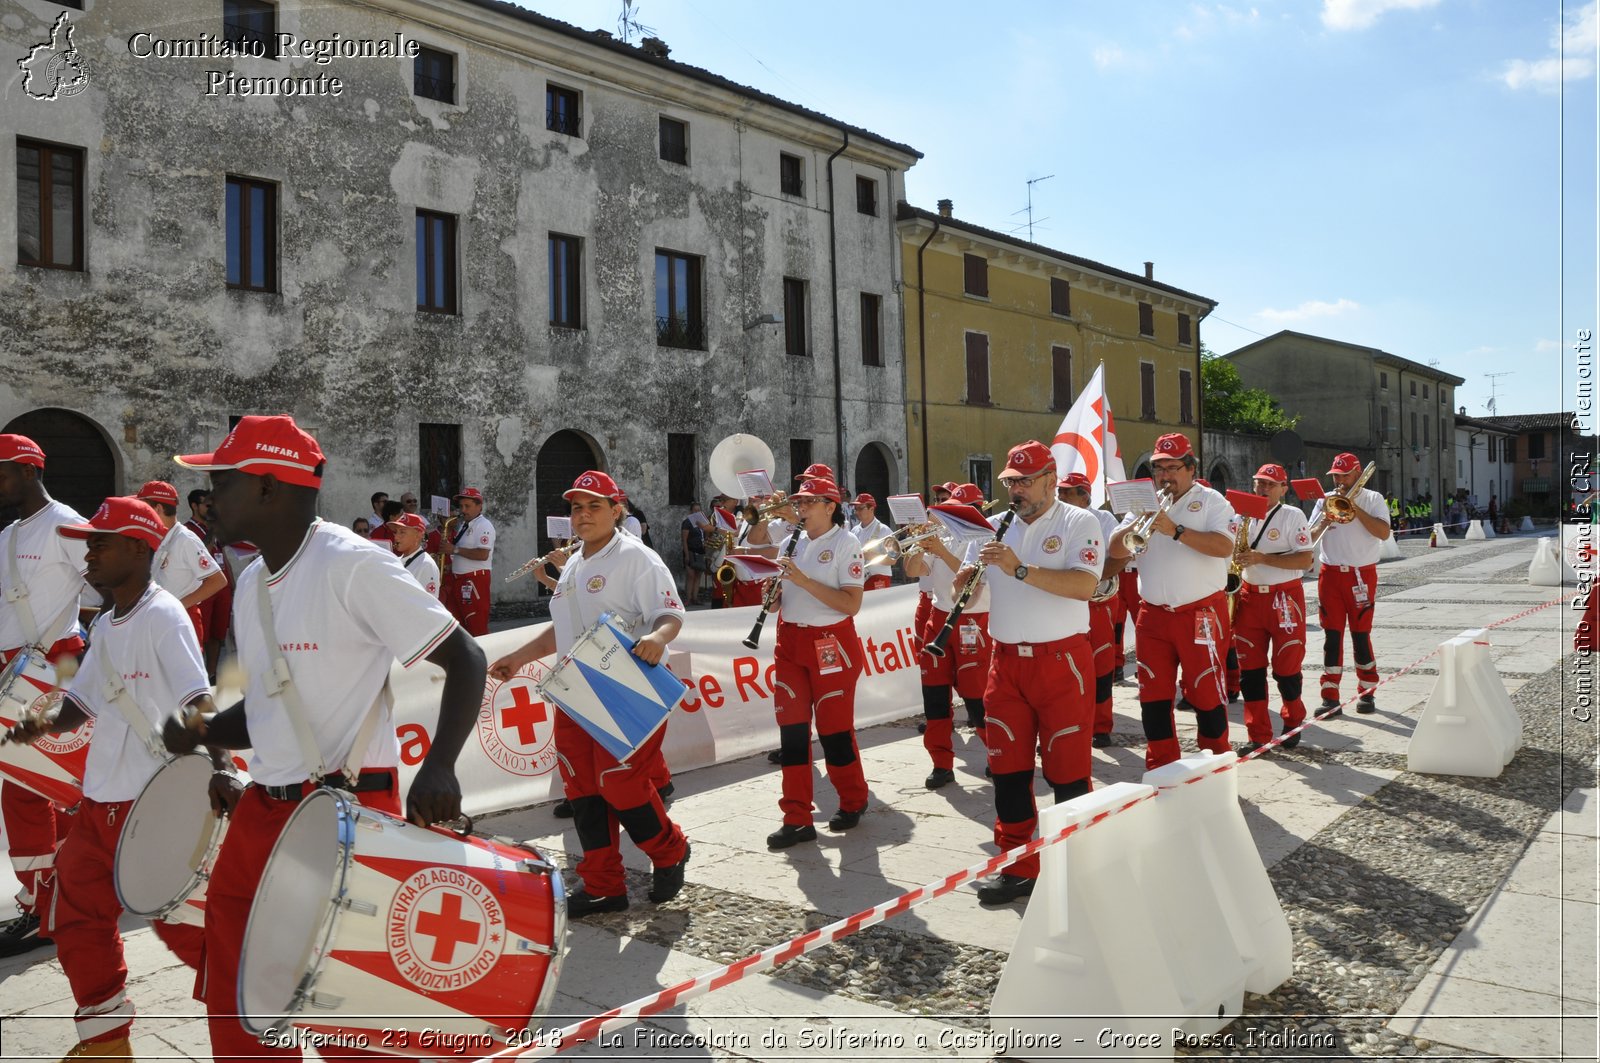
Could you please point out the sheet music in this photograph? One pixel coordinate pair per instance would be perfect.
(439, 505)
(755, 482)
(907, 509)
(558, 528)
(1132, 496)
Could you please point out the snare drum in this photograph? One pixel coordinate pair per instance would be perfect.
(170, 842)
(363, 921)
(613, 695)
(52, 766)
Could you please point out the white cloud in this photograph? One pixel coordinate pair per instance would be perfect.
(1308, 310)
(1576, 41)
(1547, 346)
(1361, 14)
(1107, 56)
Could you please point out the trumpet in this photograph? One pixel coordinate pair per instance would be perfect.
(1107, 588)
(1340, 507)
(777, 502)
(1137, 537)
(543, 559)
(891, 549)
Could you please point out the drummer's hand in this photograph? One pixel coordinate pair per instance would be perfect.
(506, 667)
(435, 795)
(225, 790)
(651, 648)
(27, 730)
(180, 735)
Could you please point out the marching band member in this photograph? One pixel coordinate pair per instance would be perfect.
(934, 568)
(940, 493)
(1039, 696)
(974, 650)
(330, 612)
(1347, 587)
(1128, 603)
(41, 588)
(1075, 490)
(819, 659)
(1271, 610)
(216, 611)
(182, 565)
(147, 646)
(1184, 620)
(613, 573)
(470, 549)
(410, 533)
(867, 528)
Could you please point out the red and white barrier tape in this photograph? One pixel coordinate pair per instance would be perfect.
(666, 999)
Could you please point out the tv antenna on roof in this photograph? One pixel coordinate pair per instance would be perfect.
(1490, 405)
(1029, 207)
(628, 23)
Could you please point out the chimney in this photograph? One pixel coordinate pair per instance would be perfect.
(946, 208)
(654, 46)
(1149, 271)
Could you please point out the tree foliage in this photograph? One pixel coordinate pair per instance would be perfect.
(1229, 406)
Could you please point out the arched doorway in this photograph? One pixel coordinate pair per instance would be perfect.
(875, 475)
(562, 458)
(80, 468)
(1220, 475)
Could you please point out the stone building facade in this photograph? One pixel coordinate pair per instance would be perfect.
(507, 249)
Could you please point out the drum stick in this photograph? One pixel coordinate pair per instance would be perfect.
(65, 669)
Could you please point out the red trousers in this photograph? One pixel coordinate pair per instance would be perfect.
(197, 617)
(1102, 638)
(936, 671)
(217, 612)
(1347, 597)
(878, 583)
(809, 691)
(33, 826)
(1269, 629)
(469, 601)
(1039, 696)
(748, 592)
(608, 794)
(81, 912)
(1194, 638)
(256, 824)
(1130, 602)
(973, 651)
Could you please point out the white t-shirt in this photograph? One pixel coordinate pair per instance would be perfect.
(1286, 534)
(1062, 537)
(51, 567)
(424, 569)
(181, 562)
(631, 525)
(626, 578)
(1351, 544)
(153, 647)
(864, 534)
(937, 582)
(1171, 573)
(833, 560)
(344, 609)
(476, 534)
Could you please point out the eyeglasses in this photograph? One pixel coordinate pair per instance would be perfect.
(1012, 483)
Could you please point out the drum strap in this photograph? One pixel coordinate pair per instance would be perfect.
(17, 598)
(116, 692)
(280, 684)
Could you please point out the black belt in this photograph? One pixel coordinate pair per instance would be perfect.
(367, 782)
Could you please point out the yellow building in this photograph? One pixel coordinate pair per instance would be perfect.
(1001, 335)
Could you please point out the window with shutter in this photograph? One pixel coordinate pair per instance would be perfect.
(977, 369)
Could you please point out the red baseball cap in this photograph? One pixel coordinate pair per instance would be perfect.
(469, 492)
(120, 516)
(816, 471)
(967, 493)
(818, 488)
(264, 446)
(1346, 463)
(1074, 479)
(594, 483)
(1027, 459)
(409, 520)
(1172, 445)
(1272, 472)
(864, 499)
(21, 450)
(158, 491)
(948, 487)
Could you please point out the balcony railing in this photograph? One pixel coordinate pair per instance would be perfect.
(562, 120)
(678, 332)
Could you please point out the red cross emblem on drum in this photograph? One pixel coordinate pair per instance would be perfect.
(445, 930)
(516, 728)
(63, 742)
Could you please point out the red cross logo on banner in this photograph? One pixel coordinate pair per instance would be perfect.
(523, 714)
(447, 928)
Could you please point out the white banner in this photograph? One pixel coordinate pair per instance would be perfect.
(510, 760)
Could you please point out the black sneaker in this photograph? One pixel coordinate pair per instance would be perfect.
(1330, 708)
(939, 777)
(21, 934)
(1233, 696)
(1003, 889)
(775, 757)
(1366, 705)
(1247, 748)
(1120, 675)
(1292, 741)
(666, 792)
(584, 903)
(843, 820)
(1100, 741)
(791, 834)
(562, 810)
(922, 728)
(667, 881)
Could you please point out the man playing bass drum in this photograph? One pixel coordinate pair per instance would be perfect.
(1041, 574)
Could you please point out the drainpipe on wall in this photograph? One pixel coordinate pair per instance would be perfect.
(922, 356)
(1199, 399)
(833, 285)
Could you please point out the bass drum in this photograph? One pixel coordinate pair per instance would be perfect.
(166, 851)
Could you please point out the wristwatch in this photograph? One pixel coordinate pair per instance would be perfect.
(1177, 533)
(1022, 572)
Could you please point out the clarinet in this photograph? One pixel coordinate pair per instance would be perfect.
(936, 647)
(770, 598)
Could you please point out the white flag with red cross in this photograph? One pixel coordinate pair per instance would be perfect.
(1086, 442)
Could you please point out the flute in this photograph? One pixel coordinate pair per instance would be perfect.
(935, 648)
(770, 598)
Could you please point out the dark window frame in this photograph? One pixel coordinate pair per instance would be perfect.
(1185, 332)
(687, 333)
(433, 302)
(1147, 391)
(682, 467)
(563, 110)
(1147, 320)
(872, 330)
(975, 275)
(978, 390)
(674, 148)
(791, 175)
(1539, 439)
(434, 86)
(1060, 297)
(46, 221)
(796, 298)
(1508, 450)
(866, 196)
(1383, 381)
(799, 457)
(1185, 396)
(240, 24)
(1060, 382)
(566, 306)
(247, 234)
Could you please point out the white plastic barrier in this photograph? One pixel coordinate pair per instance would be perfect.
(1488, 529)
(1526, 525)
(1389, 549)
(1548, 568)
(1475, 530)
(1439, 538)
(1160, 919)
(1468, 726)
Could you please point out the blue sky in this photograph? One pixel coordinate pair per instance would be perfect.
(1387, 172)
